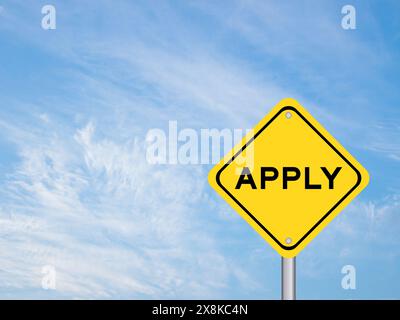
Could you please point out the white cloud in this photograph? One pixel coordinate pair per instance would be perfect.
(111, 224)
(365, 228)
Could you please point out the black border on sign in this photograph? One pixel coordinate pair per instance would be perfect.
(251, 215)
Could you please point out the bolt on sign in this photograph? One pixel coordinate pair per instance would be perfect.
(288, 178)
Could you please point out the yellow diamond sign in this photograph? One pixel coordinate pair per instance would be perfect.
(288, 178)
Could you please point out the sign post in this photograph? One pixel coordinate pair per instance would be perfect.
(288, 278)
(288, 178)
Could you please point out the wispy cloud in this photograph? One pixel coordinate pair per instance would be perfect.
(110, 223)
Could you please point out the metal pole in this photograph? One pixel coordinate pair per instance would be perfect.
(288, 278)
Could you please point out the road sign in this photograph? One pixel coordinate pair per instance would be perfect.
(288, 178)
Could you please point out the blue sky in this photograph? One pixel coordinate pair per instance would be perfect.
(76, 104)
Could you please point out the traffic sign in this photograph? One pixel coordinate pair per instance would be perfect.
(288, 178)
